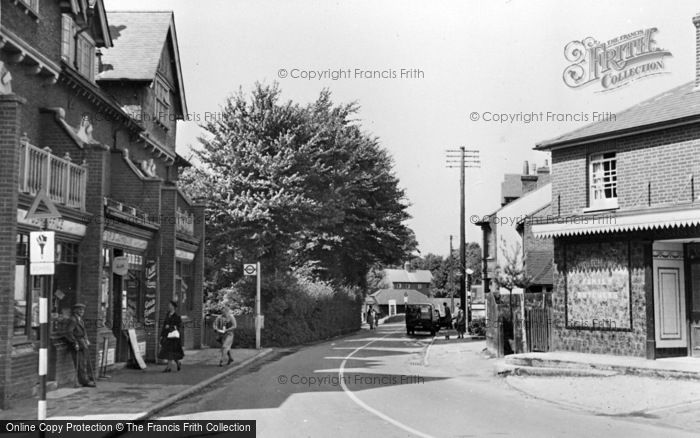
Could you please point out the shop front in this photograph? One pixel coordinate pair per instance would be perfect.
(62, 291)
(629, 287)
(124, 293)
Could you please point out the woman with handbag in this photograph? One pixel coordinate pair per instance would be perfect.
(171, 338)
(224, 325)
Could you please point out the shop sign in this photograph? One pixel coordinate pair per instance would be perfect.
(124, 240)
(185, 255)
(149, 308)
(120, 265)
(54, 224)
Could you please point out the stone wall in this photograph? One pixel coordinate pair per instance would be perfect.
(574, 256)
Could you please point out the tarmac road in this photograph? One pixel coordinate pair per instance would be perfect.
(385, 384)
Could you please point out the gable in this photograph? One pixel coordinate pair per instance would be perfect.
(141, 40)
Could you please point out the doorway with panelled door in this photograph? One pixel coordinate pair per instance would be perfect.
(670, 312)
(693, 257)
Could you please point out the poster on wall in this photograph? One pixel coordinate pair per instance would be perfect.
(598, 287)
(149, 307)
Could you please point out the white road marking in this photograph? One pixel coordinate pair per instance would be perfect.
(366, 407)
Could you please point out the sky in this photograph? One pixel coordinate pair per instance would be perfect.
(464, 61)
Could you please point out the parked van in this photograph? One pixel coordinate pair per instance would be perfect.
(421, 317)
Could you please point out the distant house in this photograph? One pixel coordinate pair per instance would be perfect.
(508, 229)
(395, 297)
(406, 278)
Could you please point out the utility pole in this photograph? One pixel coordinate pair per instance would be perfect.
(450, 279)
(463, 158)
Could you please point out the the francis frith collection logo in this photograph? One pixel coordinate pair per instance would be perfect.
(616, 62)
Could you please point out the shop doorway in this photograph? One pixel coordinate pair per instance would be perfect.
(693, 255)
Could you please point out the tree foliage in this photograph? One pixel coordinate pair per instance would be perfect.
(296, 186)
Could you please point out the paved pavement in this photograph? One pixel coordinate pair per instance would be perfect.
(128, 393)
(383, 383)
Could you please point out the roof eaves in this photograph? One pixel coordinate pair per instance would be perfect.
(178, 67)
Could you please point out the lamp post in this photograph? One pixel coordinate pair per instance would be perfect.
(469, 295)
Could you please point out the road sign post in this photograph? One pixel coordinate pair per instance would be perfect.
(254, 269)
(42, 258)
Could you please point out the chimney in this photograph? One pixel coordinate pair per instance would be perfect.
(407, 267)
(696, 22)
(543, 176)
(529, 179)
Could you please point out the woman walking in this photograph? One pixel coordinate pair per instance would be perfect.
(171, 338)
(224, 325)
(370, 318)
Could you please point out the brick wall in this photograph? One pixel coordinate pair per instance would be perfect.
(651, 169)
(601, 340)
(10, 111)
(44, 35)
(91, 260)
(197, 314)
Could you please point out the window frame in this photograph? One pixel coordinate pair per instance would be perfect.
(603, 203)
(184, 274)
(85, 51)
(161, 103)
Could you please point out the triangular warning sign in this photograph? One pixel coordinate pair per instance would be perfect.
(49, 212)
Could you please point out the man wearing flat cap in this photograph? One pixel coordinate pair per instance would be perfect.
(76, 335)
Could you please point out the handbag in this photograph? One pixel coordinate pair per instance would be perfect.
(174, 334)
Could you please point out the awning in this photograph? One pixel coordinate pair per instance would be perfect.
(595, 224)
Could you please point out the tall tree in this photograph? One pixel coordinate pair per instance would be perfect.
(297, 186)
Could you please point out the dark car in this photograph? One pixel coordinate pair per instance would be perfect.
(421, 317)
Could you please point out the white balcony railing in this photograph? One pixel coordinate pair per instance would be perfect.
(64, 181)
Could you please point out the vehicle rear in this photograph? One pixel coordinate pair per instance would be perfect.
(421, 317)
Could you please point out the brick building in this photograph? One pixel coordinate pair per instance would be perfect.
(506, 233)
(407, 278)
(89, 103)
(627, 229)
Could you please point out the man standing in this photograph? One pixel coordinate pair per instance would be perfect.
(78, 343)
(224, 325)
(447, 320)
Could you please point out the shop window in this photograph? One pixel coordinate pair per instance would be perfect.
(603, 181)
(134, 287)
(105, 288)
(26, 293)
(183, 285)
(65, 282)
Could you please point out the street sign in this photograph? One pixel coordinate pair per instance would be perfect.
(42, 269)
(50, 210)
(250, 269)
(42, 252)
(42, 248)
(120, 265)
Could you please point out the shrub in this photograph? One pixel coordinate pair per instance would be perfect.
(297, 310)
(477, 327)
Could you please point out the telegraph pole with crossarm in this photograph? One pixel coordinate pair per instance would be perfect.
(463, 159)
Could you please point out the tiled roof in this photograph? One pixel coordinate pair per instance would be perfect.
(414, 297)
(673, 105)
(392, 276)
(139, 38)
